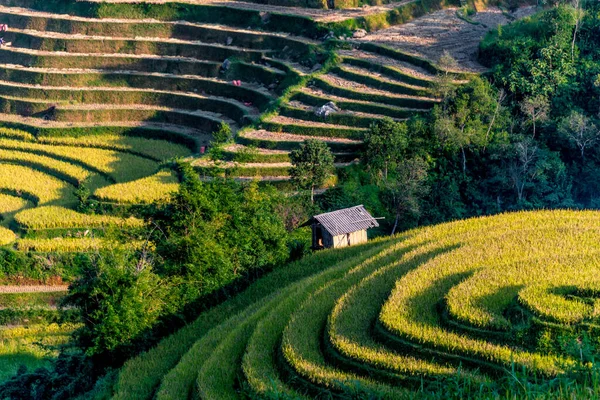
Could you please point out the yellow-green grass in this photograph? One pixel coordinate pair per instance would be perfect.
(259, 368)
(10, 204)
(158, 150)
(179, 381)
(302, 341)
(259, 363)
(63, 170)
(120, 166)
(549, 300)
(38, 186)
(31, 299)
(31, 346)
(141, 376)
(350, 322)
(481, 299)
(6, 236)
(145, 190)
(67, 244)
(55, 217)
(217, 379)
(500, 260)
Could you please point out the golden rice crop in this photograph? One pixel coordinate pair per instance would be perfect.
(121, 166)
(146, 190)
(6, 236)
(69, 245)
(40, 186)
(16, 134)
(556, 299)
(55, 217)
(10, 204)
(483, 274)
(73, 173)
(158, 150)
(31, 346)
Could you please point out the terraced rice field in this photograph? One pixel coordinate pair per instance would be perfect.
(39, 176)
(168, 72)
(368, 84)
(28, 336)
(469, 299)
(101, 103)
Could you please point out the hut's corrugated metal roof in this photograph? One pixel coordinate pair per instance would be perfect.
(347, 220)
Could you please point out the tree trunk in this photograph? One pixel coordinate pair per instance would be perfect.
(573, 42)
(395, 223)
(464, 160)
(312, 194)
(385, 171)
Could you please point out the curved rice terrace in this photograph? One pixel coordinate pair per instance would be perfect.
(102, 96)
(460, 306)
(132, 87)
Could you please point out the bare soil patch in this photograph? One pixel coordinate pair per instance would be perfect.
(33, 288)
(429, 35)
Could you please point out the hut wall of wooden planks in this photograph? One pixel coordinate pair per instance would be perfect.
(341, 228)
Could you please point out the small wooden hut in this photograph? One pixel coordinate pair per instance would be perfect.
(341, 228)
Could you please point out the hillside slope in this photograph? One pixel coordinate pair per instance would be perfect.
(467, 300)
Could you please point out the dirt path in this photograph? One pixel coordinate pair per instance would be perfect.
(32, 288)
(288, 137)
(235, 148)
(45, 53)
(79, 36)
(430, 35)
(65, 17)
(253, 86)
(316, 14)
(405, 67)
(300, 105)
(233, 164)
(36, 122)
(301, 122)
(338, 81)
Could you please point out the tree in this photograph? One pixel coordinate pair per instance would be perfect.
(468, 119)
(312, 164)
(222, 134)
(578, 17)
(118, 298)
(522, 168)
(580, 130)
(536, 109)
(212, 233)
(385, 145)
(443, 84)
(407, 188)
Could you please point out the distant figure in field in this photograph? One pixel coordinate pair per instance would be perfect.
(3, 28)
